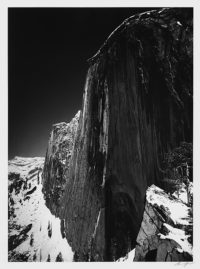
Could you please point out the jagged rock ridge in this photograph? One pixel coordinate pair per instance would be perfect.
(137, 105)
(58, 155)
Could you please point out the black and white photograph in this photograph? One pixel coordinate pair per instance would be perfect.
(100, 134)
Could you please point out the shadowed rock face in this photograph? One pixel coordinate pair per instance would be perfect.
(137, 105)
(58, 155)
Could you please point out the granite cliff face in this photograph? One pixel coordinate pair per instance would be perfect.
(137, 105)
(58, 155)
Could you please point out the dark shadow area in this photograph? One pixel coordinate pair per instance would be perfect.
(151, 256)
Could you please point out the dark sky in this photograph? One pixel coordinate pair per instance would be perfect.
(47, 55)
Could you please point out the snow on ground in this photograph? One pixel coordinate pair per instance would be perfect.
(129, 257)
(44, 238)
(179, 236)
(24, 165)
(177, 210)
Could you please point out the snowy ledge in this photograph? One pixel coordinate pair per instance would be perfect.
(175, 210)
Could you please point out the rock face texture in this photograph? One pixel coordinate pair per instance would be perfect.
(137, 105)
(166, 229)
(58, 155)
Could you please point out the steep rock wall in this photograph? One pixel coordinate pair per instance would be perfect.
(137, 105)
(58, 155)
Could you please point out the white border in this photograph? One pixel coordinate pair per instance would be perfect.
(4, 123)
(97, 3)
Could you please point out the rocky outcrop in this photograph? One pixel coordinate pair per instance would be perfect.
(137, 105)
(58, 155)
(166, 229)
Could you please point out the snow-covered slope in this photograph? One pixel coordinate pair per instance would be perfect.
(166, 229)
(34, 233)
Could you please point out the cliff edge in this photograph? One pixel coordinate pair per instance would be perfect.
(137, 105)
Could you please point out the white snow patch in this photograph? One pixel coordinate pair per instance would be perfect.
(63, 162)
(23, 165)
(178, 212)
(178, 236)
(129, 257)
(35, 212)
